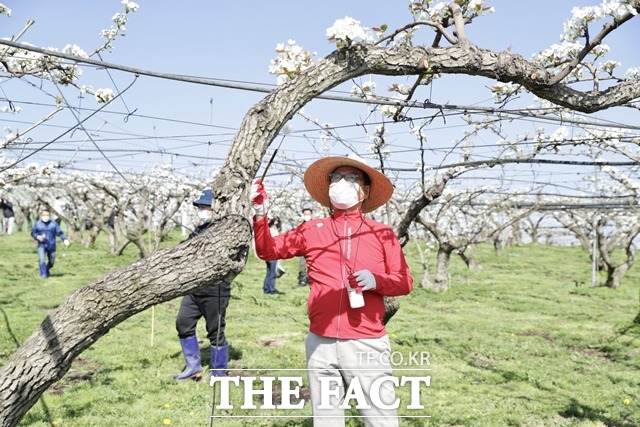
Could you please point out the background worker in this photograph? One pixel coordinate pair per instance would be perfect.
(8, 216)
(45, 231)
(211, 303)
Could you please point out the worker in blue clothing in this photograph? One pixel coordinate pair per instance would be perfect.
(211, 303)
(45, 232)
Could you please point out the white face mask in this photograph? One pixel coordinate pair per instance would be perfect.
(45, 218)
(343, 194)
(307, 218)
(204, 214)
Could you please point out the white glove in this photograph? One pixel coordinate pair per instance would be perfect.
(66, 242)
(259, 198)
(363, 280)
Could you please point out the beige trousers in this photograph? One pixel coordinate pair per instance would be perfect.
(334, 364)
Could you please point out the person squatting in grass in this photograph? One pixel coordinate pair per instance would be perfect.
(210, 302)
(352, 263)
(45, 231)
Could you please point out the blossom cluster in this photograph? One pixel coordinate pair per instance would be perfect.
(364, 91)
(632, 73)
(423, 10)
(379, 145)
(581, 17)
(290, 61)
(347, 31)
(502, 91)
(120, 19)
(102, 96)
(24, 62)
(577, 28)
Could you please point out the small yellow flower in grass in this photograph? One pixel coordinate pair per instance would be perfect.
(54, 422)
(191, 414)
(166, 421)
(167, 405)
(627, 401)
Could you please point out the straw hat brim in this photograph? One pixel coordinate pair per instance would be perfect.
(316, 181)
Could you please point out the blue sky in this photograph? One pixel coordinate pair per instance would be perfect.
(235, 41)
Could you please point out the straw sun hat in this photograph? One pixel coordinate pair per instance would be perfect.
(316, 180)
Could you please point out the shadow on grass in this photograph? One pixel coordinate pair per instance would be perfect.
(205, 354)
(577, 410)
(632, 328)
(9, 330)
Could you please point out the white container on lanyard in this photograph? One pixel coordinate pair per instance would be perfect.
(356, 299)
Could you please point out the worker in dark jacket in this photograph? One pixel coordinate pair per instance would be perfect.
(210, 302)
(45, 232)
(8, 217)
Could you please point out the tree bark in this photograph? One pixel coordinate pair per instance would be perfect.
(615, 273)
(425, 280)
(213, 258)
(391, 307)
(417, 205)
(91, 236)
(443, 259)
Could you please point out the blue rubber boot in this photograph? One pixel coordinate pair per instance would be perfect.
(191, 354)
(44, 271)
(219, 360)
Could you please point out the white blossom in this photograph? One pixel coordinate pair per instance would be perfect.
(559, 135)
(632, 73)
(346, 31)
(72, 49)
(609, 66)
(104, 95)
(109, 34)
(14, 110)
(120, 19)
(365, 90)
(501, 91)
(290, 61)
(130, 6)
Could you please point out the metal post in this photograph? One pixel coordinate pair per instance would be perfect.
(594, 264)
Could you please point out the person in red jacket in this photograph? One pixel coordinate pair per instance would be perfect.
(353, 262)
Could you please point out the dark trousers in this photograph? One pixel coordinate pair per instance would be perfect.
(269, 285)
(210, 303)
(303, 279)
(47, 256)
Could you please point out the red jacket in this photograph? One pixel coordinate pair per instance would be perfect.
(333, 248)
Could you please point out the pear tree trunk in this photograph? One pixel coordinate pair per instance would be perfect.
(213, 258)
(440, 281)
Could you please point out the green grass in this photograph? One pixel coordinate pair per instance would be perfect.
(518, 344)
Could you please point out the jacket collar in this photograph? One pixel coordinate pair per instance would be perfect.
(337, 214)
